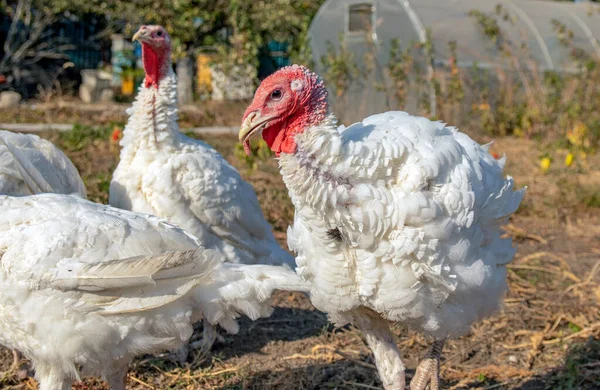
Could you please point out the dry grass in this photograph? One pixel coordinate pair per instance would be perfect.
(546, 337)
(222, 113)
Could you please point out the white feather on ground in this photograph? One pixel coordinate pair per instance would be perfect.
(87, 284)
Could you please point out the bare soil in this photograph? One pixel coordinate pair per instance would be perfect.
(547, 335)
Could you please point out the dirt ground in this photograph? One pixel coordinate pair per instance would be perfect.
(546, 337)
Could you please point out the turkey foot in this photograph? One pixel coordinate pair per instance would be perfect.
(16, 360)
(209, 336)
(427, 375)
(181, 354)
(18, 366)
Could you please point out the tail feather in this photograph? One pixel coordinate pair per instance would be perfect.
(502, 203)
(196, 279)
(136, 284)
(245, 289)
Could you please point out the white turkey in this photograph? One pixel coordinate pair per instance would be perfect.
(398, 218)
(32, 165)
(165, 173)
(85, 287)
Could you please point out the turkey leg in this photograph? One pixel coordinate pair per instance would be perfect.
(381, 341)
(209, 336)
(118, 377)
(16, 359)
(21, 369)
(428, 371)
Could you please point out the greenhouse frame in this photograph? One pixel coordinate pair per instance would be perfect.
(367, 29)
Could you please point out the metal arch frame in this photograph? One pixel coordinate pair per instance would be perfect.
(319, 13)
(536, 33)
(422, 34)
(415, 20)
(586, 30)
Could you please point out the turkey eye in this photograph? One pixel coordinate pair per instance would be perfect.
(159, 33)
(276, 94)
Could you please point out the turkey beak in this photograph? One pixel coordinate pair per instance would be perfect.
(253, 124)
(142, 35)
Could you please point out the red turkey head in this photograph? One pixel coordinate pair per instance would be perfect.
(156, 52)
(285, 104)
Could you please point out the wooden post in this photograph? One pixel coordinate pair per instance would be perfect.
(185, 77)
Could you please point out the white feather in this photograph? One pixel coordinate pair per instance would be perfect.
(419, 219)
(31, 165)
(165, 173)
(83, 284)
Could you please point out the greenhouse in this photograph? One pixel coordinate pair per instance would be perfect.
(496, 35)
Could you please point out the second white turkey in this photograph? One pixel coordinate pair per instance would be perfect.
(165, 173)
(86, 287)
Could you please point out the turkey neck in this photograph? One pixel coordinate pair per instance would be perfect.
(312, 173)
(153, 116)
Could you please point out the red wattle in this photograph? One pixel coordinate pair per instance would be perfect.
(153, 64)
(279, 139)
(272, 136)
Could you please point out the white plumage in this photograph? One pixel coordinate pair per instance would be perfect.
(398, 218)
(417, 206)
(32, 165)
(90, 285)
(165, 173)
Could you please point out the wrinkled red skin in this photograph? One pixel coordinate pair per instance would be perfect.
(299, 109)
(280, 141)
(154, 60)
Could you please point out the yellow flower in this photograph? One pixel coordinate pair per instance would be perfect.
(577, 135)
(545, 164)
(484, 107)
(569, 159)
